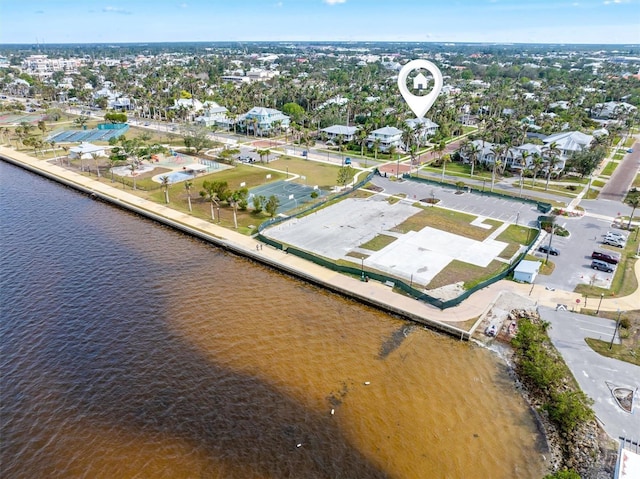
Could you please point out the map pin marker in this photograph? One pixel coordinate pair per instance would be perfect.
(420, 104)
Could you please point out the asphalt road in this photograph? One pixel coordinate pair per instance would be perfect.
(593, 371)
(621, 179)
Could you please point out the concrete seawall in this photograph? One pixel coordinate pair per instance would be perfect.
(395, 304)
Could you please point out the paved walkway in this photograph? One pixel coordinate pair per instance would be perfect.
(371, 291)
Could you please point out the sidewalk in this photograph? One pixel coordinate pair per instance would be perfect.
(372, 292)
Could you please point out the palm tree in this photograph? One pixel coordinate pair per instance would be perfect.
(376, 148)
(187, 186)
(52, 143)
(263, 154)
(524, 155)
(165, 187)
(551, 155)
(498, 152)
(473, 151)
(536, 164)
(634, 203)
(392, 152)
(444, 160)
(95, 159)
(133, 166)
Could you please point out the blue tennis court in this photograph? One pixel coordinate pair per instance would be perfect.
(74, 136)
(291, 195)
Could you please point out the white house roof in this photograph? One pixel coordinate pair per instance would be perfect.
(85, 147)
(340, 130)
(262, 111)
(528, 267)
(414, 122)
(387, 131)
(570, 140)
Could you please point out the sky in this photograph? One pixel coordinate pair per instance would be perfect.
(503, 21)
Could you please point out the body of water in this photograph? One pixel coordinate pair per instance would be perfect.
(129, 350)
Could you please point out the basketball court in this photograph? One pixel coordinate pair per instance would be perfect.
(290, 194)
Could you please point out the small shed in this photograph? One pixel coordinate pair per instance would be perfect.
(526, 271)
(86, 151)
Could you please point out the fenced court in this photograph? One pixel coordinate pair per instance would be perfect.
(291, 195)
(96, 134)
(14, 119)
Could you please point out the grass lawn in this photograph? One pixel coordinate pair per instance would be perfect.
(609, 169)
(555, 189)
(459, 169)
(517, 234)
(378, 243)
(470, 274)
(446, 220)
(629, 349)
(598, 183)
(316, 173)
(591, 194)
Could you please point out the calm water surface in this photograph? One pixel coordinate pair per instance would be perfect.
(129, 350)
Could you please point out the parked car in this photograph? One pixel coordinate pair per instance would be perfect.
(610, 258)
(613, 241)
(545, 248)
(615, 234)
(601, 266)
(245, 159)
(629, 150)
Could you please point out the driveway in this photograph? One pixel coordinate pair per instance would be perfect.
(593, 371)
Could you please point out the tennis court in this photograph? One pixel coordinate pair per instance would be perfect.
(96, 134)
(291, 195)
(14, 119)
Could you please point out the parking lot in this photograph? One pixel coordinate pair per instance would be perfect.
(572, 265)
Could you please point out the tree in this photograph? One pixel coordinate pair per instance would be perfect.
(238, 199)
(633, 202)
(95, 157)
(165, 182)
(196, 137)
(587, 160)
(550, 154)
(115, 117)
(42, 126)
(563, 474)
(345, 174)
(272, 205)
(445, 159)
(536, 165)
(376, 147)
(295, 111)
(263, 154)
(187, 186)
(472, 151)
(81, 121)
(214, 192)
(259, 202)
(133, 166)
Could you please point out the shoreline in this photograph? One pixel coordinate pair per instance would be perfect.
(370, 293)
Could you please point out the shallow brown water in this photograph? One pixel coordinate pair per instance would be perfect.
(128, 350)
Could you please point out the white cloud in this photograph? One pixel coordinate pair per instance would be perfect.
(278, 4)
(183, 5)
(116, 10)
(334, 2)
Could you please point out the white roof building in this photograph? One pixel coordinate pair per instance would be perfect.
(86, 151)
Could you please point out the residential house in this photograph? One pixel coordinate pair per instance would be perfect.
(612, 110)
(387, 137)
(568, 143)
(214, 115)
(262, 121)
(335, 131)
(423, 128)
